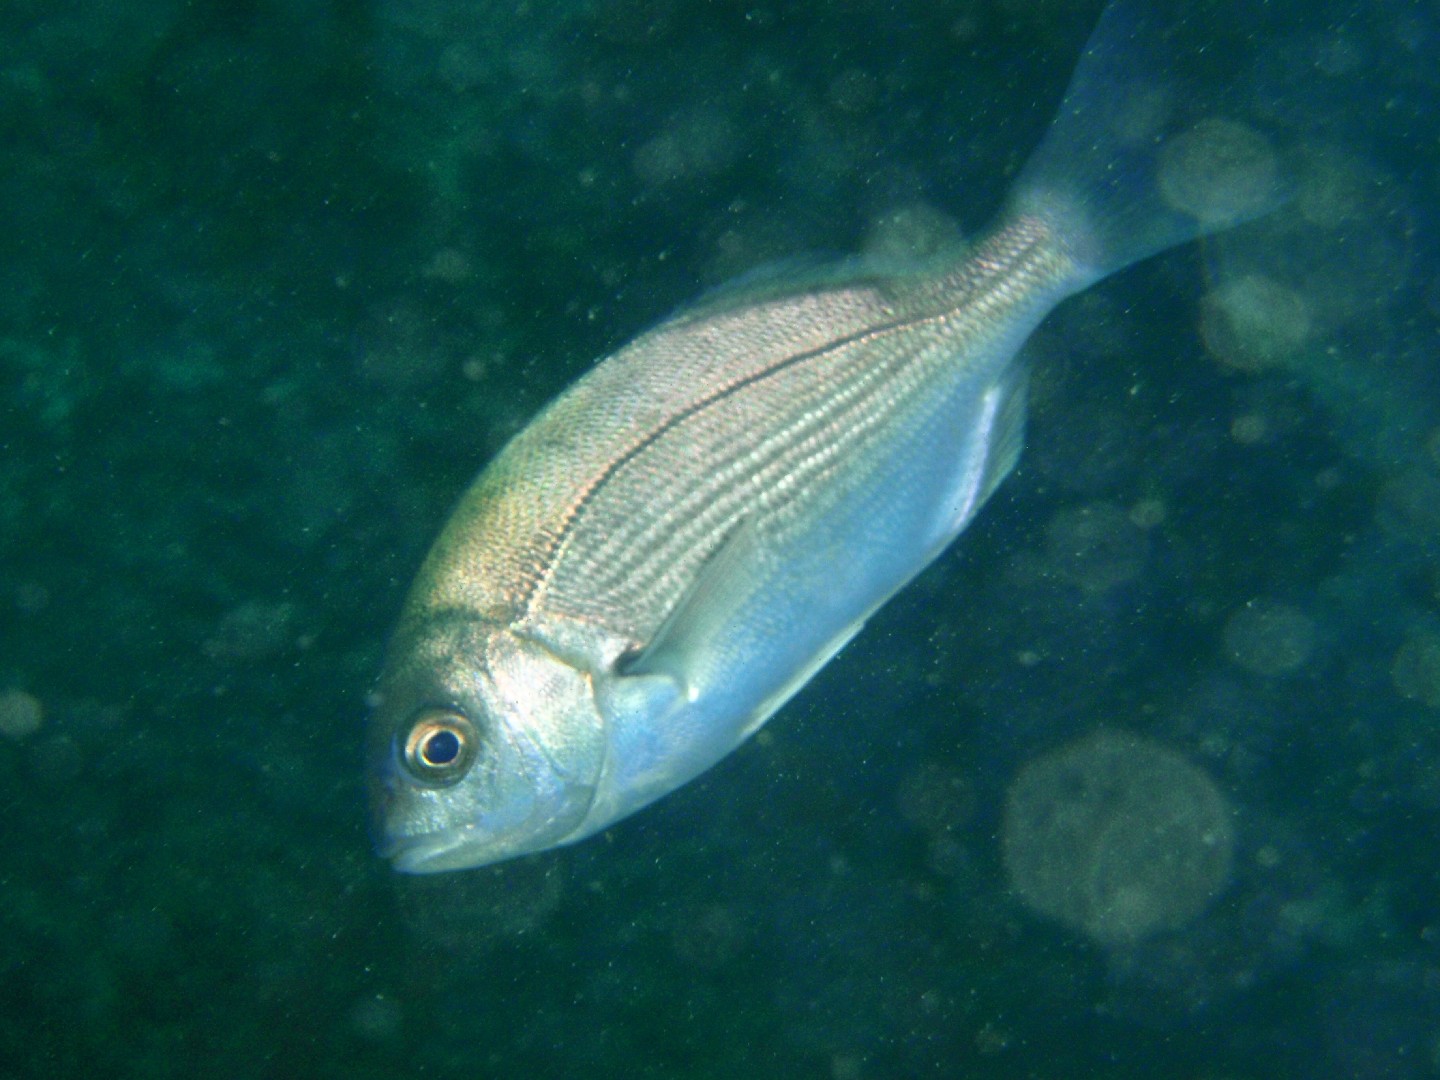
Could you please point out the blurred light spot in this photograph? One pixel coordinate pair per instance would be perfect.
(1334, 188)
(1096, 546)
(1148, 514)
(56, 760)
(399, 348)
(1116, 836)
(1253, 322)
(1249, 429)
(1269, 638)
(1219, 172)
(853, 91)
(253, 631)
(463, 68)
(707, 936)
(32, 597)
(21, 714)
(911, 233)
(376, 1018)
(690, 147)
(1410, 505)
(935, 798)
(946, 857)
(1416, 669)
(449, 265)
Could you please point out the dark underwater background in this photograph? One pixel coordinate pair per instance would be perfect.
(277, 278)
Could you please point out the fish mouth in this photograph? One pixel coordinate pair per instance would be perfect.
(431, 853)
(418, 852)
(464, 847)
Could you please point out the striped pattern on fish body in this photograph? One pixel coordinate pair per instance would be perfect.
(602, 509)
(670, 550)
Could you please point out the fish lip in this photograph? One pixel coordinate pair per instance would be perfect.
(422, 853)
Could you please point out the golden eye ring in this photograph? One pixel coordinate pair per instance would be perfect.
(440, 746)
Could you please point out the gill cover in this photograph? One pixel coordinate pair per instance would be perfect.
(486, 745)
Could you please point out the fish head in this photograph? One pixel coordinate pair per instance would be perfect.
(484, 745)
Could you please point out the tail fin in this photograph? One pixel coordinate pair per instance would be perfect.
(1152, 145)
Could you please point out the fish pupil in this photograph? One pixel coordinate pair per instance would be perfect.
(441, 748)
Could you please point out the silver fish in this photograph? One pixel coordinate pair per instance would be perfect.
(674, 546)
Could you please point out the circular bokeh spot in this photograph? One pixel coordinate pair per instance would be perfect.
(1416, 669)
(21, 714)
(1252, 322)
(1269, 638)
(1096, 546)
(1219, 172)
(1116, 836)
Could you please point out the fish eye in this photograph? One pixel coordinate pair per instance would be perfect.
(439, 747)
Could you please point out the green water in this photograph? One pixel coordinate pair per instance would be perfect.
(276, 279)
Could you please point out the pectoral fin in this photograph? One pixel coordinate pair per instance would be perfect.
(684, 648)
(635, 700)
